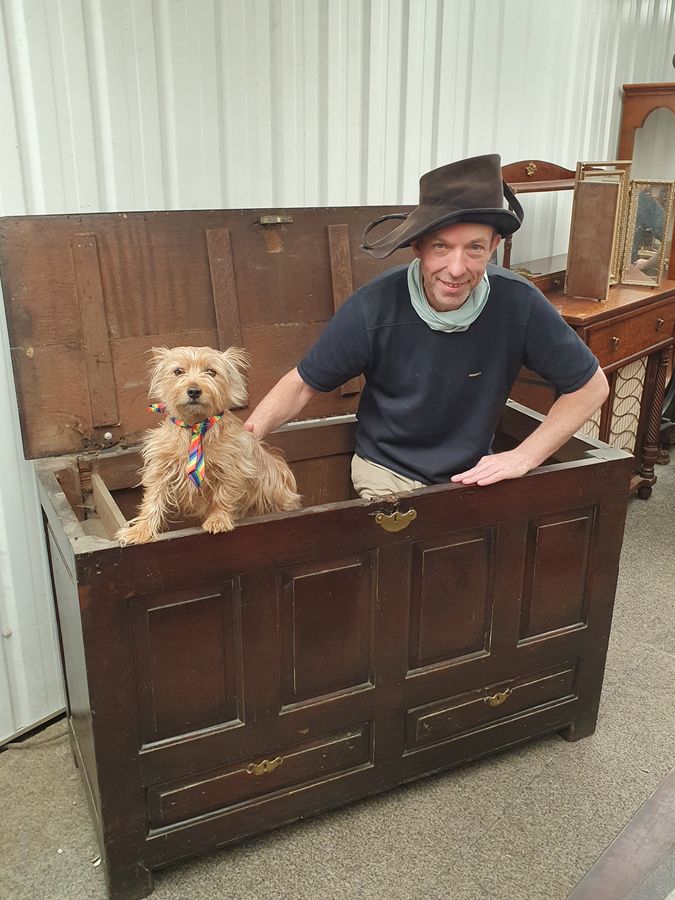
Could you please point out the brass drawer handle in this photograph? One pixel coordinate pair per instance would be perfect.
(396, 521)
(264, 767)
(660, 323)
(615, 342)
(498, 699)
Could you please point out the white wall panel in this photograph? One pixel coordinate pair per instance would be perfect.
(163, 104)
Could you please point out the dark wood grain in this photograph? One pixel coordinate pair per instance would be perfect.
(342, 282)
(225, 299)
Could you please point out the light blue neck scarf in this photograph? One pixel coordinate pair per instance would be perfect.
(455, 319)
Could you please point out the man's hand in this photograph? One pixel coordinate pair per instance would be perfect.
(286, 399)
(567, 415)
(249, 426)
(495, 467)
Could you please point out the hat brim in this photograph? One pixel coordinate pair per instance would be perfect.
(419, 222)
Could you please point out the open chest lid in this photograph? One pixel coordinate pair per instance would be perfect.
(88, 295)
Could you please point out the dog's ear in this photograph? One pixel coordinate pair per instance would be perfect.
(157, 357)
(236, 361)
(158, 354)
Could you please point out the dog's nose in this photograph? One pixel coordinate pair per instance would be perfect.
(194, 393)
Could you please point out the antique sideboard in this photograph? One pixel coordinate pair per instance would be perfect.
(631, 333)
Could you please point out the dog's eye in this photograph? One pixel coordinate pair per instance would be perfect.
(179, 371)
(211, 372)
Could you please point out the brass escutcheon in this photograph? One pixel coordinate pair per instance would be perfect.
(615, 342)
(396, 521)
(660, 323)
(497, 699)
(264, 767)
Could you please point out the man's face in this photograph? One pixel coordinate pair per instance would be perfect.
(453, 261)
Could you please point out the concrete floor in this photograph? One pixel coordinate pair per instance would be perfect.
(524, 825)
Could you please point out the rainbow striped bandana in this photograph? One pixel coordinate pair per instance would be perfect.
(195, 467)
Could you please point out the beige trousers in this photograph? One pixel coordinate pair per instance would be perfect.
(372, 480)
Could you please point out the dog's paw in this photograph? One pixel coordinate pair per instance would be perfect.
(218, 522)
(138, 533)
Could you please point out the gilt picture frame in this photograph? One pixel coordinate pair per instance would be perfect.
(648, 232)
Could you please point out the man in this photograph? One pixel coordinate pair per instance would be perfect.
(440, 343)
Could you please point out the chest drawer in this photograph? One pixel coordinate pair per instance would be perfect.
(635, 335)
(254, 779)
(482, 708)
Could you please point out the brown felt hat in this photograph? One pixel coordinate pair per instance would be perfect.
(469, 190)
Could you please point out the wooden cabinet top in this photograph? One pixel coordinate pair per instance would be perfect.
(621, 299)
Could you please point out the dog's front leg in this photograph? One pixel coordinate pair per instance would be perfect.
(222, 510)
(151, 518)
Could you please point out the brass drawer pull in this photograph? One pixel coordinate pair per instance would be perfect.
(396, 521)
(660, 323)
(615, 342)
(264, 767)
(498, 699)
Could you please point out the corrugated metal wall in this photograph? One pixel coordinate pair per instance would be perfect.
(163, 104)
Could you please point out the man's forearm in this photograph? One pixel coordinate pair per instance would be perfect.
(286, 399)
(566, 416)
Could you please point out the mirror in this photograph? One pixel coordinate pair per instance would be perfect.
(646, 242)
(653, 155)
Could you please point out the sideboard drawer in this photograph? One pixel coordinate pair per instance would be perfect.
(632, 336)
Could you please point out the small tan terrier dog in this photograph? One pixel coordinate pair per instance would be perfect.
(200, 461)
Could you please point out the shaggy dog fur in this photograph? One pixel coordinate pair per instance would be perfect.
(242, 475)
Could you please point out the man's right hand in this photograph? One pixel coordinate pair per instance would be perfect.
(283, 403)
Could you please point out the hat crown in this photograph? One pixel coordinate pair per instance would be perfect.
(469, 190)
(474, 183)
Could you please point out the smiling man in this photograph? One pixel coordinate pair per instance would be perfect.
(440, 342)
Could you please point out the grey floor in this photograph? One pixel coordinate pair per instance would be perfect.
(524, 825)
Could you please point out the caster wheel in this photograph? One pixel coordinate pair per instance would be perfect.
(645, 492)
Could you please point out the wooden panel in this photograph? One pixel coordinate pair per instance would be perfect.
(162, 282)
(224, 288)
(324, 480)
(462, 714)
(326, 627)
(95, 336)
(237, 784)
(188, 659)
(107, 510)
(451, 597)
(53, 381)
(557, 570)
(592, 234)
(342, 282)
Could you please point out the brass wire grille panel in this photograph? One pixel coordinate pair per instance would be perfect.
(629, 383)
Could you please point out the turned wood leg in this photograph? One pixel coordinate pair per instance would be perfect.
(650, 448)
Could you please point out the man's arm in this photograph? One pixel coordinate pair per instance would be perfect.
(289, 395)
(567, 415)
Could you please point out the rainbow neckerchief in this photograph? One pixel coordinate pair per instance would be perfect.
(196, 465)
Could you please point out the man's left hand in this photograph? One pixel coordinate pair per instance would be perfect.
(495, 467)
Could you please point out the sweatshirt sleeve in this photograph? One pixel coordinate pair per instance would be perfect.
(554, 350)
(342, 350)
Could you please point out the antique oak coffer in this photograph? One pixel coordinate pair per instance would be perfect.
(220, 685)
